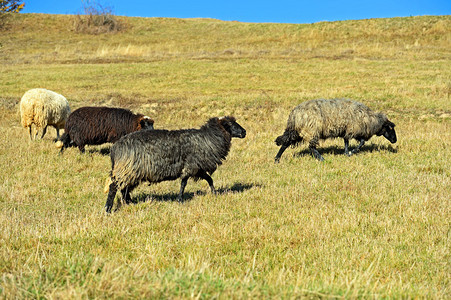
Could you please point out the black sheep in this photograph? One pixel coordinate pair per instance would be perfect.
(99, 125)
(160, 155)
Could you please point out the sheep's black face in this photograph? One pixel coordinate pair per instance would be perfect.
(146, 123)
(388, 131)
(390, 134)
(233, 127)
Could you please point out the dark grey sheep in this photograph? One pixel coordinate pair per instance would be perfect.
(313, 120)
(160, 155)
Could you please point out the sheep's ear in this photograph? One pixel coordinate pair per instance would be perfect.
(391, 124)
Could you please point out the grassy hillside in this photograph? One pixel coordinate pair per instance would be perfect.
(372, 225)
(50, 40)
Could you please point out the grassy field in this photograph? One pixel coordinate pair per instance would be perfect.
(374, 225)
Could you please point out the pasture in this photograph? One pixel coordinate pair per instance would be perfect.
(373, 225)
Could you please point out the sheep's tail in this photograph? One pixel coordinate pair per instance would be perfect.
(108, 181)
(289, 137)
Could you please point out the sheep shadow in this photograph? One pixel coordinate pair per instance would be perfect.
(378, 148)
(237, 187)
(338, 150)
(102, 151)
(188, 196)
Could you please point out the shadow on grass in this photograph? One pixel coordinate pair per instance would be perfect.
(337, 150)
(102, 151)
(235, 188)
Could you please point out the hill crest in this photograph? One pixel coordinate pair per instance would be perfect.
(44, 38)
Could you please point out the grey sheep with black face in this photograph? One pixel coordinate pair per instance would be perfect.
(319, 119)
(160, 155)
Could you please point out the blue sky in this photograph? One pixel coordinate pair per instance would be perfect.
(277, 11)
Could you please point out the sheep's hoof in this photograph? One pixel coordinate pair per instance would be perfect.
(319, 157)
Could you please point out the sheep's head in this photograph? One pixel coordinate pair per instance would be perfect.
(388, 131)
(232, 127)
(146, 123)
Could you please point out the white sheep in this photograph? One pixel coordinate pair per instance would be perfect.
(42, 107)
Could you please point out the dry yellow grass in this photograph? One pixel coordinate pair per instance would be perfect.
(371, 225)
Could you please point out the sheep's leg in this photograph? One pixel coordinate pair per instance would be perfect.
(281, 150)
(182, 189)
(31, 134)
(126, 194)
(57, 134)
(82, 148)
(315, 153)
(202, 174)
(111, 196)
(346, 146)
(62, 149)
(44, 132)
(36, 133)
(357, 149)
